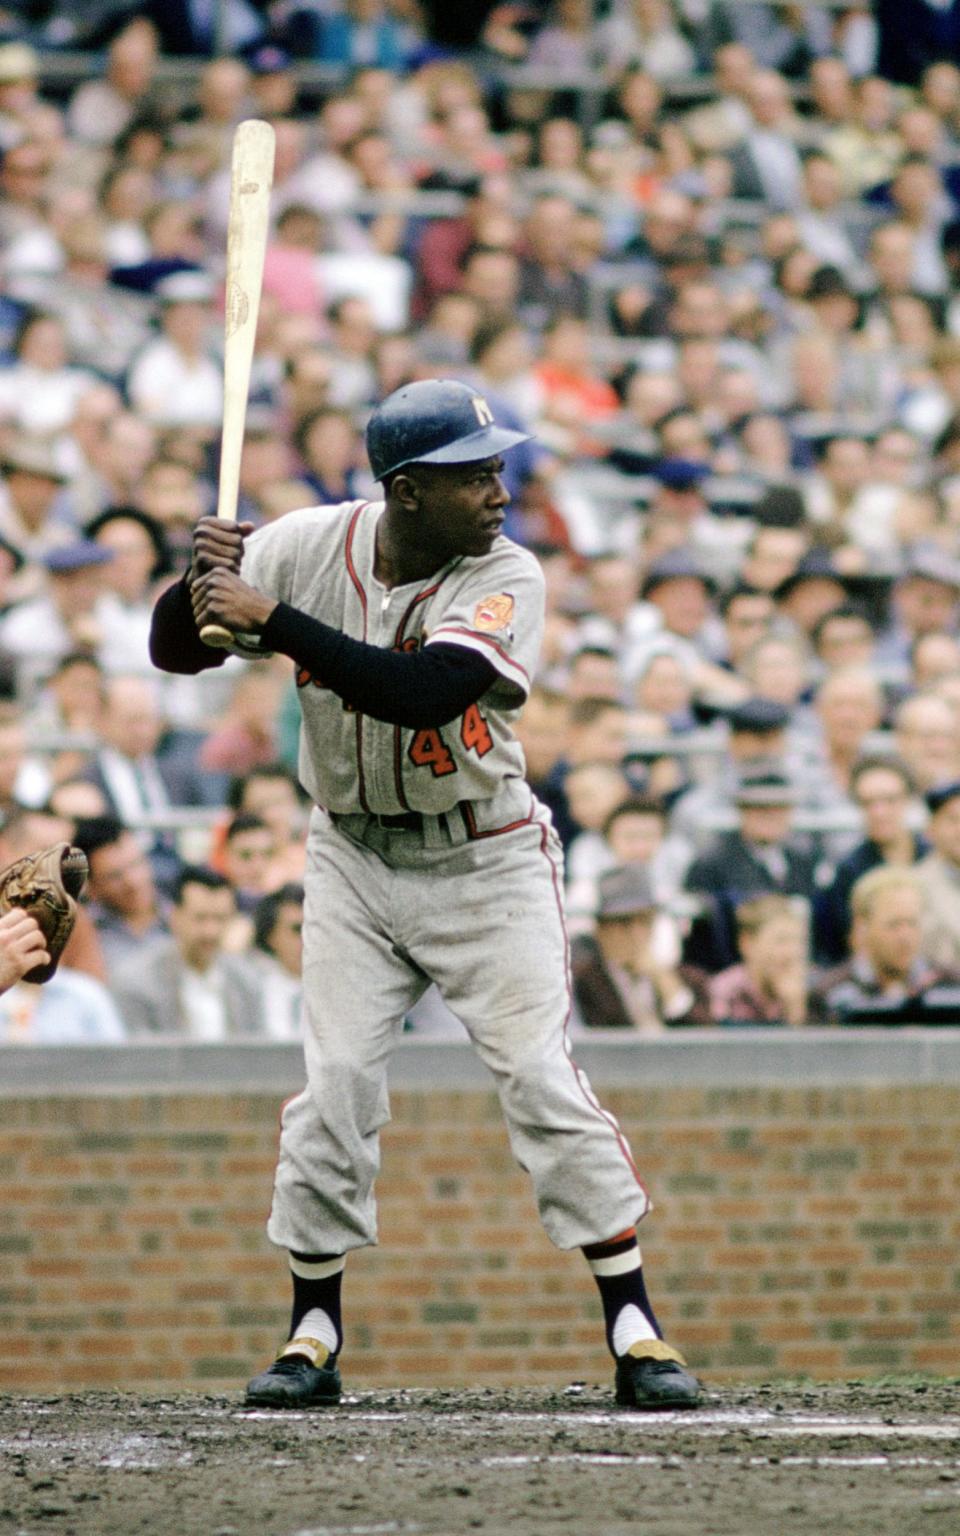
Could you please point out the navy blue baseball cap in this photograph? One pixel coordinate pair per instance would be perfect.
(64, 558)
(674, 566)
(435, 421)
(681, 474)
(759, 716)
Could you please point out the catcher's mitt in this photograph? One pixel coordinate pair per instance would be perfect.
(46, 884)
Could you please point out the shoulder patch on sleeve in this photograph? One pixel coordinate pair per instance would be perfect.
(494, 612)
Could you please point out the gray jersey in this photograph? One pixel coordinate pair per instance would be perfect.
(321, 560)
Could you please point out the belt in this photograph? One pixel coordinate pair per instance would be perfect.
(403, 821)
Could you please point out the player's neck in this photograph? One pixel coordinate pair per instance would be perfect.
(399, 559)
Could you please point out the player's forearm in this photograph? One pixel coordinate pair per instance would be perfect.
(175, 644)
(417, 689)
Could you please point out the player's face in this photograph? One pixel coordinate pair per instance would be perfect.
(462, 507)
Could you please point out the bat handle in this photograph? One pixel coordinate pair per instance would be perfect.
(218, 638)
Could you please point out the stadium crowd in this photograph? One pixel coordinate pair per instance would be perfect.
(708, 254)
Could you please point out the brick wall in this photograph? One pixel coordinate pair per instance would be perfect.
(797, 1230)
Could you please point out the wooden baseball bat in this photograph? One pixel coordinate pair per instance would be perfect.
(251, 177)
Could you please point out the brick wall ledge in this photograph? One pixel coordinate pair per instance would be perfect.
(718, 1057)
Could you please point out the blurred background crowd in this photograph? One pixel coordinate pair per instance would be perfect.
(709, 255)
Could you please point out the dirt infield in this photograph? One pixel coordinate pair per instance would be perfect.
(857, 1460)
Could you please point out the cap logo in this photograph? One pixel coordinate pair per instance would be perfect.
(484, 413)
(493, 612)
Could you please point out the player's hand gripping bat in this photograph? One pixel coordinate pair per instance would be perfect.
(250, 182)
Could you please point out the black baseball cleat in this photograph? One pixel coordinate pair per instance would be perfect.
(304, 1375)
(652, 1375)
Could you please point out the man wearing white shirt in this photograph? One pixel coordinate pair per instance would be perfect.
(175, 380)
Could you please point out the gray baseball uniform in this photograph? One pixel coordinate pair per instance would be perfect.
(467, 894)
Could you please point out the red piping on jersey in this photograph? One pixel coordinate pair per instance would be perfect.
(420, 597)
(582, 1083)
(458, 629)
(358, 584)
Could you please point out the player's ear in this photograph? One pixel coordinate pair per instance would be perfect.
(405, 490)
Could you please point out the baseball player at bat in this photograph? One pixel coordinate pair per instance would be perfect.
(414, 626)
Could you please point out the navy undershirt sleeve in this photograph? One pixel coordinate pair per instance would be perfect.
(417, 689)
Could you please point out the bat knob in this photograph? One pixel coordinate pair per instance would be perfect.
(218, 638)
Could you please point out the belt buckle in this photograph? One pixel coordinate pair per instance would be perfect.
(399, 821)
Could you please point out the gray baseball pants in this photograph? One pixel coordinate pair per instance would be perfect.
(388, 911)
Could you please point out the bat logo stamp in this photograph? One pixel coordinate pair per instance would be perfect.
(237, 308)
(249, 186)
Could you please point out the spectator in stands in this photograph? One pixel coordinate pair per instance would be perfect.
(127, 910)
(849, 709)
(866, 149)
(844, 639)
(927, 733)
(573, 397)
(22, 173)
(32, 512)
(248, 850)
(757, 732)
(926, 600)
(759, 857)
(104, 108)
(597, 730)
(592, 672)
(679, 592)
(637, 832)
(593, 791)
(816, 587)
(645, 33)
(767, 163)
(104, 325)
(330, 448)
(623, 978)
(938, 876)
(39, 392)
(882, 791)
(140, 556)
(71, 1008)
(276, 960)
(549, 286)
(664, 688)
(933, 657)
(185, 985)
(271, 792)
(889, 975)
(245, 737)
(747, 613)
(116, 447)
(770, 983)
(820, 223)
(141, 781)
(38, 634)
(773, 556)
(76, 800)
(191, 27)
(362, 32)
(175, 380)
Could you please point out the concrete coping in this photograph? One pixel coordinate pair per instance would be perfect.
(708, 1057)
